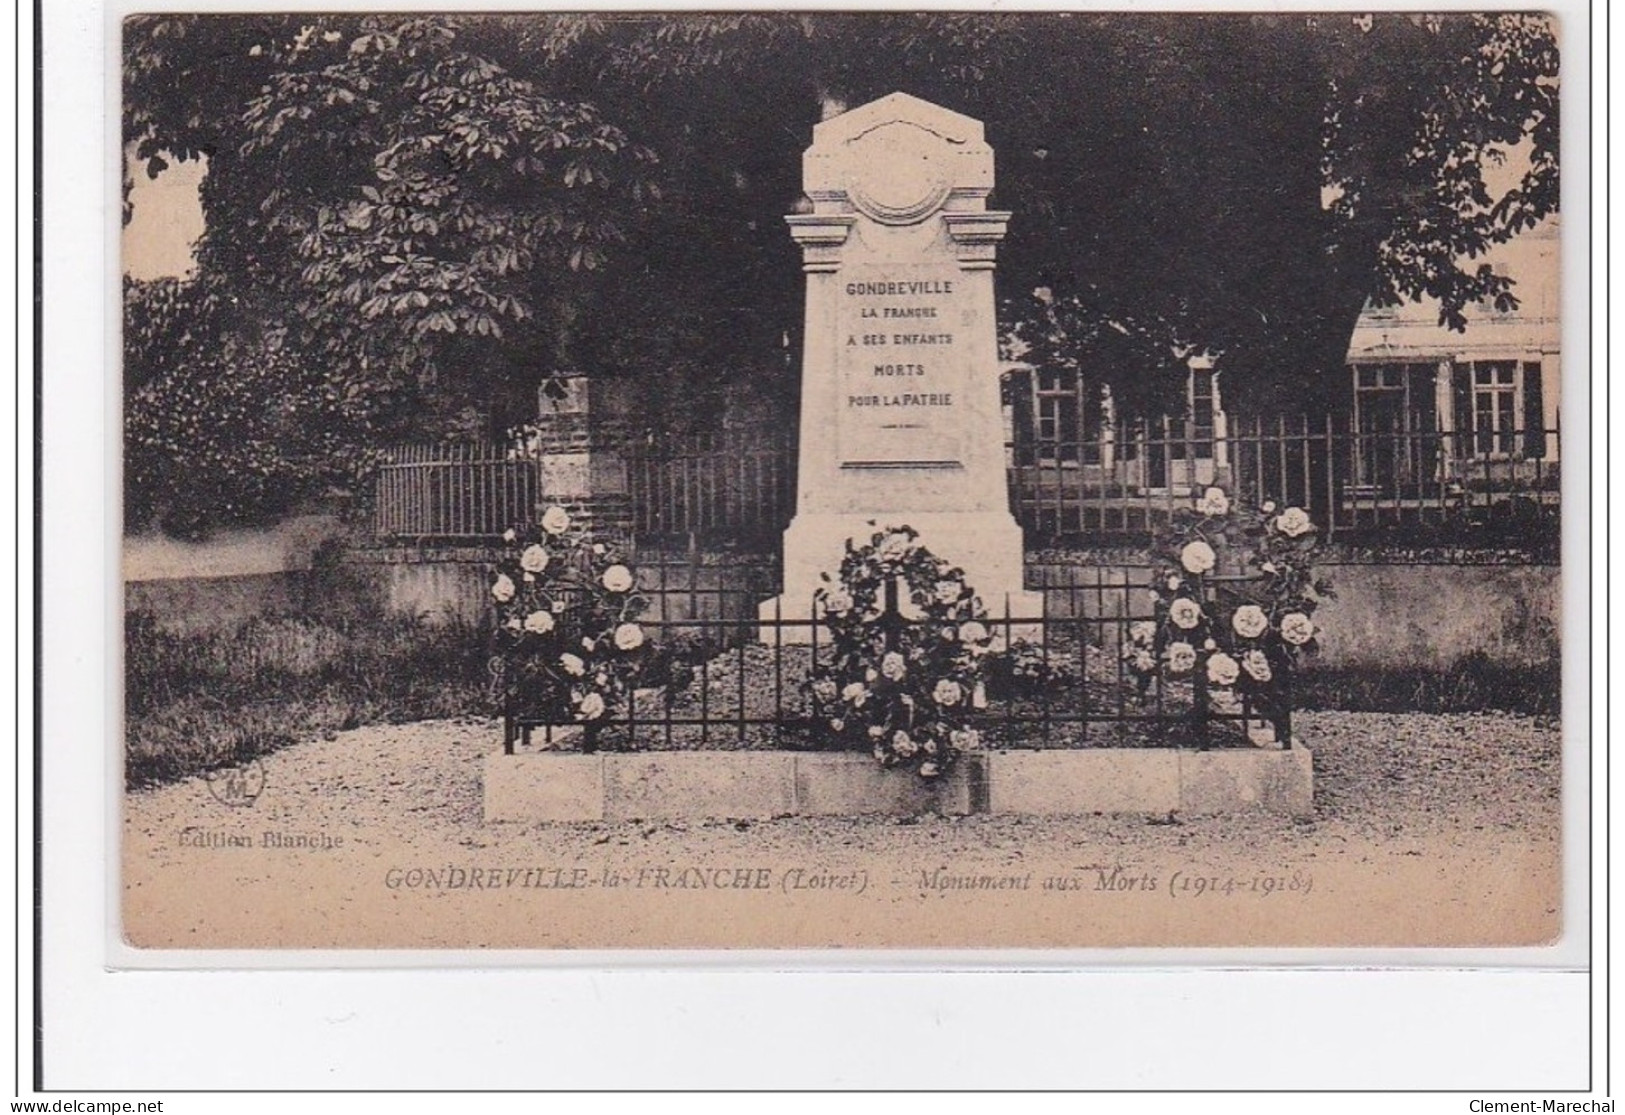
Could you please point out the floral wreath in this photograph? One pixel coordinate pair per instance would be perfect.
(907, 671)
(568, 644)
(1243, 634)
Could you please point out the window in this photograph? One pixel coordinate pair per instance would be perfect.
(1495, 407)
(1500, 409)
(1395, 423)
(1067, 416)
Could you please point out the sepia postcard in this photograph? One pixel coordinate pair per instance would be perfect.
(816, 480)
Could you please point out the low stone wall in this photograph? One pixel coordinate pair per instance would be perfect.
(1428, 613)
(454, 583)
(1433, 616)
(1386, 613)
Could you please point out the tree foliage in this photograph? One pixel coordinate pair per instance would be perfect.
(238, 429)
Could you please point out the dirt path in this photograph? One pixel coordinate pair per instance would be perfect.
(1427, 830)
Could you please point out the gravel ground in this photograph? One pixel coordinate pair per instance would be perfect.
(1421, 823)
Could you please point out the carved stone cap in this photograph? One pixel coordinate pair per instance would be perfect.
(898, 161)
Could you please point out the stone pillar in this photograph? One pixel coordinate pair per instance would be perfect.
(900, 403)
(579, 451)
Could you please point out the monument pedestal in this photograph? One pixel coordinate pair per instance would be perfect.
(987, 545)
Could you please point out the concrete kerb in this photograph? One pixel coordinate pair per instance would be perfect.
(553, 785)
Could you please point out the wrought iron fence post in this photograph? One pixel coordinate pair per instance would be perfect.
(1201, 713)
(891, 613)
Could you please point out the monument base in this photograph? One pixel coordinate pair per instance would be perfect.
(987, 545)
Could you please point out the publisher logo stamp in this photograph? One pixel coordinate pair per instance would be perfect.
(238, 786)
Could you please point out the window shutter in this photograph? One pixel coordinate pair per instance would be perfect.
(1461, 400)
(1023, 422)
(1534, 412)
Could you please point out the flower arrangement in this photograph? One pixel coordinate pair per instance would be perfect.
(1235, 598)
(911, 643)
(568, 643)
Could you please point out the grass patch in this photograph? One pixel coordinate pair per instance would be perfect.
(198, 702)
(1474, 684)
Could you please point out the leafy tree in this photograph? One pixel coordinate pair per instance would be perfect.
(223, 424)
(397, 200)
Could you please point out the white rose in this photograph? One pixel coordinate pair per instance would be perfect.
(837, 600)
(502, 588)
(972, 631)
(1144, 662)
(948, 591)
(1250, 621)
(1256, 665)
(590, 708)
(855, 694)
(947, 692)
(1269, 506)
(539, 622)
(929, 769)
(893, 547)
(1197, 557)
(629, 636)
(876, 731)
(555, 520)
(1222, 669)
(1142, 631)
(573, 665)
(1181, 657)
(965, 739)
(1174, 583)
(509, 535)
(534, 559)
(903, 745)
(1293, 522)
(1185, 613)
(617, 578)
(1297, 628)
(837, 725)
(893, 666)
(598, 548)
(824, 689)
(514, 624)
(1214, 502)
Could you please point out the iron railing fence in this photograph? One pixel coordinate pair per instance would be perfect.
(1385, 486)
(1060, 680)
(1119, 486)
(739, 488)
(472, 490)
